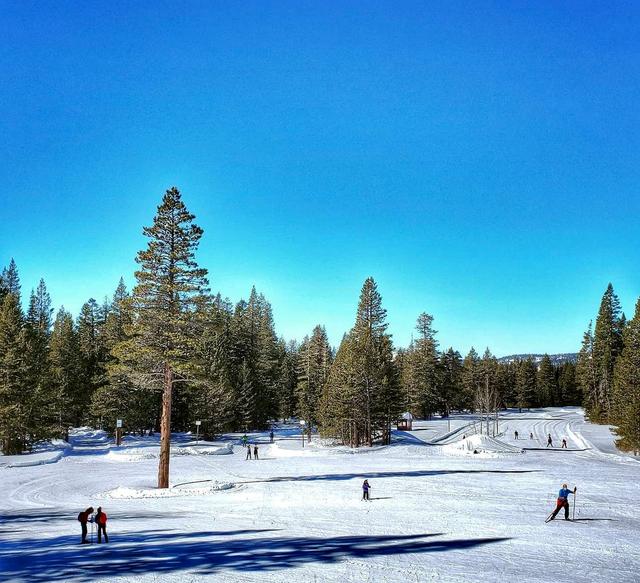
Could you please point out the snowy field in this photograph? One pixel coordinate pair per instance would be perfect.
(439, 511)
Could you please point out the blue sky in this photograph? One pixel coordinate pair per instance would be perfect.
(478, 159)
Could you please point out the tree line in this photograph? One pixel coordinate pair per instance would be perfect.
(608, 370)
(170, 352)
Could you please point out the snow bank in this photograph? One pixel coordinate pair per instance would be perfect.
(123, 493)
(132, 454)
(44, 453)
(482, 444)
(226, 449)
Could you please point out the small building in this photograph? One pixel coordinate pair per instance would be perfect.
(405, 423)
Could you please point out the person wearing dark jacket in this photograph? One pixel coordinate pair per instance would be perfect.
(365, 490)
(101, 521)
(255, 452)
(83, 518)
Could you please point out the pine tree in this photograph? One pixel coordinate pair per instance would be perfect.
(525, 384)
(38, 333)
(451, 387)
(607, 345)
(314, 364)
(13, 410)
(546, 385)
(586, 374)
(626, 388)
(288, 378)
(568, 392)
(424, 357)
(211, 398)
(91, 342)
(159, 351)
(69, 402)
(471, 379)
(10, 281)
(363, 389)
(118, 397)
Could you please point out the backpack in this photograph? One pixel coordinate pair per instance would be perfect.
(80, 516)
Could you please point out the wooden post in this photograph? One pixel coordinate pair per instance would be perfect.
(165, 428)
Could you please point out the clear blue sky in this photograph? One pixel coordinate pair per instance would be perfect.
(479, 159)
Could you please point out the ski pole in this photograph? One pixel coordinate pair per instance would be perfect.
(575, 490)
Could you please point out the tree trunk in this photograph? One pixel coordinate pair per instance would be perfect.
(165, 428)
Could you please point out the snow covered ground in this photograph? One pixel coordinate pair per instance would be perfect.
(439, 511)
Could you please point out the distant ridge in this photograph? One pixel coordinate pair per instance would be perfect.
(555, 358)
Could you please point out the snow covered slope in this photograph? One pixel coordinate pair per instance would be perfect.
(296, 513)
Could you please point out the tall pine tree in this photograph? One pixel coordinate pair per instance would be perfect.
(159, 351)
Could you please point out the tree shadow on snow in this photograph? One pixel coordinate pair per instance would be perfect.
(371, 475)
(202, 553)
(10, 518)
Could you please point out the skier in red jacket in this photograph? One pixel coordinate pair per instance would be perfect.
(101, 521)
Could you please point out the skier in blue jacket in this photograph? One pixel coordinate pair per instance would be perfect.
(563, 502)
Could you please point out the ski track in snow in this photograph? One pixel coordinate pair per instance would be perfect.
(297, 513)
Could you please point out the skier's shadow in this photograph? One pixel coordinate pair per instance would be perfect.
(381, 498)
(593, 519)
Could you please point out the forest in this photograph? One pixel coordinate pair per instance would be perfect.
(170, 351)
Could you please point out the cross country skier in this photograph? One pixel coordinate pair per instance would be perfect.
(564, 443)
(101, 521)
(531, 435)
(271, 436)
(365, 490)
(244, 440)
(248, 453)
(516, 434)
(549, 441)
(83, 518)
(562, 502)
(255, 451)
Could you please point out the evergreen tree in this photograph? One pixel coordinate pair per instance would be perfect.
(607, 345)
(159, 351)
(13, 412)
(424, 358)
(626, 388)
(118, 397)
(92, 345)
(568, 393)
(471, 379)
(288, 378)
(69, 399)
(525, 384)
(546, 386)
(10, 281)
(586, 374)
(362, 388)
(451, 386)
(38, 333)
(314, 363)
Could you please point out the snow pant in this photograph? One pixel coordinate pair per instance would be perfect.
(248, 455)
(84, 532)
(365, 494)
(102, 528)
(255, 455)
(561, 503)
